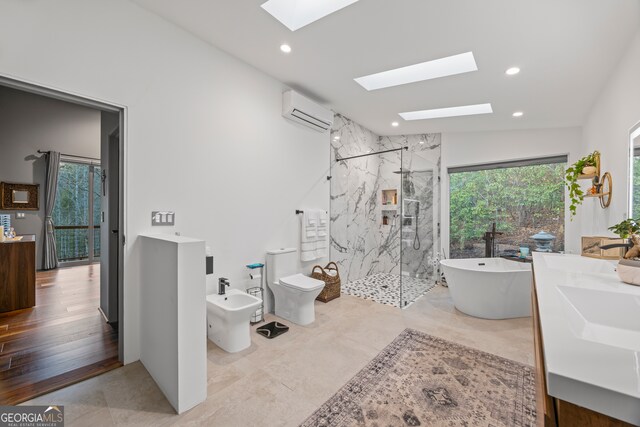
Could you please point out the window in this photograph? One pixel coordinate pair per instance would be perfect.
(634, 202)
(76, 214)
(635, 183)
(522, 198)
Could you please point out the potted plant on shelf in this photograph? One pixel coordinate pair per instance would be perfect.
(628, 268)
(585, 166)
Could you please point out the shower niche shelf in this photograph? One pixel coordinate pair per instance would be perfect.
(390, 197)
(389, 207)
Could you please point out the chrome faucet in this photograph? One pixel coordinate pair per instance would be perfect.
(222, 282)
(490, 241)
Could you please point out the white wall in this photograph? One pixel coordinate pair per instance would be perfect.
(615, 112)
(30, 123)
(204, 134)
(474, 148)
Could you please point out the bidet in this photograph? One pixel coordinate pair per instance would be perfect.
(228, 318)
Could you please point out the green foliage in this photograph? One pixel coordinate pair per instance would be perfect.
(576, 195)
(626, 228)
(635, 205)
(520, 198)
(72, 209)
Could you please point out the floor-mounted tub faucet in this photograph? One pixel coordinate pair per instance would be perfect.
(490, 241)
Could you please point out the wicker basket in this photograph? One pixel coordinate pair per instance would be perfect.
(331, 283)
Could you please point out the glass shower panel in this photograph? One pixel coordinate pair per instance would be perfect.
(385, 212)
(365, 224)
(420, 218)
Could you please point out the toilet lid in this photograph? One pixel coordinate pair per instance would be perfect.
(301, 282)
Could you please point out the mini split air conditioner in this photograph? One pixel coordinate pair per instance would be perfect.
(304, 111)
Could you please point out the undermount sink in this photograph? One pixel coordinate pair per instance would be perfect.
(590, 321)
(228, 318)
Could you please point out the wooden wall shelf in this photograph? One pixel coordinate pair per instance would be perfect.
(604, 181)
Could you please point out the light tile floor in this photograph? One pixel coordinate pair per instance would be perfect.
(280, 382)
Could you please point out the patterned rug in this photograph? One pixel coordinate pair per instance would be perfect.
(385, 288)
(420, 380)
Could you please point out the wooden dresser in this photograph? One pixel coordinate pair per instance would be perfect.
(18, 274)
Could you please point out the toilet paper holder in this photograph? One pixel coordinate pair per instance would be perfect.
(255, 273)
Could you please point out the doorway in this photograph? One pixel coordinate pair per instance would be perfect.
(75, 329)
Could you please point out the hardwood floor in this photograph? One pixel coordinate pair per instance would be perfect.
(62, 340)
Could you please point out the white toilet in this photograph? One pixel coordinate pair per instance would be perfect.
(293, 293)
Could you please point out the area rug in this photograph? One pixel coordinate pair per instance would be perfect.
(420, 380)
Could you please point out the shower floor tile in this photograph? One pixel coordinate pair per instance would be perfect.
(384, 288)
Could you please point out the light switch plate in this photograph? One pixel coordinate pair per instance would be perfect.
(19, 215)
(163, 218)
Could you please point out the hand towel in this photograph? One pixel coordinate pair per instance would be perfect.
(321, 252)
(308, 232)
(322, 234)
(323, 218)
(308, 235)
(308, 255)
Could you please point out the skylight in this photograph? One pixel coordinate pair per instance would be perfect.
(295, 14)
(465, 110)
(448, 66)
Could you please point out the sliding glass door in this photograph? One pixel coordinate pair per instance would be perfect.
(77, 213)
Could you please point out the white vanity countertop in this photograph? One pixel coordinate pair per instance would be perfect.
(171, 238)
(590, 323)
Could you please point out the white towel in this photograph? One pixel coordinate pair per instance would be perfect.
(308, 233)
(323, 218)
(313, 234)
(321, 243)
(321, 252)
(309, 246)
(308, 255)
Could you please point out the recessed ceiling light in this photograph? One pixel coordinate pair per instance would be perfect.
(395, 124)
(465, 110)
(442, 67)
(295, 14)
(337, 137)
(421, 142)
(512, 71)
(285, 48)
(517, 114)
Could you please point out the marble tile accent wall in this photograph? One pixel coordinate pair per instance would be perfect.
(360, 244)
(421, 195)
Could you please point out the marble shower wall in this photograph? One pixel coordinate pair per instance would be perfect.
(354, 205)
(360, 244)
(420, 195)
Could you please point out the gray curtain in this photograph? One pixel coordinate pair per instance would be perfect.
(50, 253)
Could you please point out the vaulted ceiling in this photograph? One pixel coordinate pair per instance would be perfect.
(566, 49)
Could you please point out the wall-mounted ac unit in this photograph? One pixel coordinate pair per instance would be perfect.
(302, 110)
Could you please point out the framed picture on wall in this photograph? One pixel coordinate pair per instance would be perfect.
(19, 196)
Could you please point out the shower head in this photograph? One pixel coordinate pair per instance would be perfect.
(403, 172)
(408, 171)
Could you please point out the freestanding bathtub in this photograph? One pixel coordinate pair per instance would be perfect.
(490, 288)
